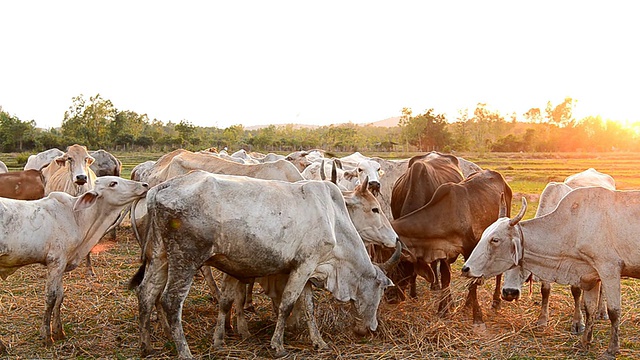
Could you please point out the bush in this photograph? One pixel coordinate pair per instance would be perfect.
(21, 158)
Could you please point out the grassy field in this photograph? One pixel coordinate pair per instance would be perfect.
(100, 314)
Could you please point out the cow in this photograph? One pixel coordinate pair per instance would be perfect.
(451, 224)
(412, 190)
(373, 228)
(549, 199)
(71, 175)
(589, 240)
(250, 228)
(141, 171)
(58, 232)
(185, 161)
(316, 171)
(105, 163)
(42, 159)
(22, 185)
(392, 169)
(357, 166)
(3, 168)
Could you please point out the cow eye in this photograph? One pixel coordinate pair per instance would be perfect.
(113, 183)
(359, 170)
(494, 240)
(376, 210)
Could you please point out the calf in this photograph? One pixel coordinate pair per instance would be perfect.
(58, 232)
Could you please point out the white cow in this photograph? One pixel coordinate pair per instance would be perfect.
(549, 200)
(42, 159)
(3, 168)
(589, 240)
(70, 173)
(59, 231)
(357, 166)
(253, 229)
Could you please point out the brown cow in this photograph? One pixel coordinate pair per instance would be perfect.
(73, 176)
(412, 190)
(452, 224)
(22, 185)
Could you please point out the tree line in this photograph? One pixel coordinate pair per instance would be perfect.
(96, 123)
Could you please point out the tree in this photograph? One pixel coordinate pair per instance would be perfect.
(14, 133)
(88, 122)
(426, 131)
(561, 114)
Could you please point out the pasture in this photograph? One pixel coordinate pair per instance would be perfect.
(100, 315)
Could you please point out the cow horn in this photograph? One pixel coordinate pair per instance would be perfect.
(364, 186)
(334, 174)
(503, 206)
(520, 215)
(323, 176)
(394, 259)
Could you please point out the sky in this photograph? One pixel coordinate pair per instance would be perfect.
(223, 63)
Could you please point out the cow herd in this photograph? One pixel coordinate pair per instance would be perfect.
(363, 235)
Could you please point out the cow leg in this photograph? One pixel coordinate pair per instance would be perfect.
(211, 282)
(495, 304)
(53, 296)
(591, 305)
(577, 324)
(435, 285)
(56, 326)
(240, 293)
(179, 282)
(297, 280)
(306, 301)
(446, 299)
(602, 306)
(89, 270)
(225, 302)
(545, 291)
(612, 292)
(154, 280)
(248, 301)
(476, 310)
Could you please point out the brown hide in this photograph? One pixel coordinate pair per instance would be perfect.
(424, 174)
(22, 185)
(413, 189)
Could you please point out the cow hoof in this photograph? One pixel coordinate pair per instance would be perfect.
(320, 345)
(59, 336)
(577, 328)
(495, 305)
(602, 316)
(280, 353)
(480, 328)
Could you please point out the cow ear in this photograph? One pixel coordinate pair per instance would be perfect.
(60, 160)
(503, 206)
(85, 201)
(90, 160)
(516, 251)
(350, 174)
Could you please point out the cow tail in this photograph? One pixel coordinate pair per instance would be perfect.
(137, 278)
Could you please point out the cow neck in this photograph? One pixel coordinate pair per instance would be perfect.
(94, 222)
(539, 252)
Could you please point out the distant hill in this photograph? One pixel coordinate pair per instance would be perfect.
(388, 122)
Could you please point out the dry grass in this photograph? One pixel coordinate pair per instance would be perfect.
(100, 319)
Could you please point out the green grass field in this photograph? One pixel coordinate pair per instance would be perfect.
(100, 314)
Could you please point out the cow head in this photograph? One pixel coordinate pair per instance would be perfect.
(299, 159)
(114, 190)
(370, 291)
(78, 160)
(365, 213)
(499, 248)
(369, 171)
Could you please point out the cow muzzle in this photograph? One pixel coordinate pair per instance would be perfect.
(81, 179)
(509, 294)
(374, 187)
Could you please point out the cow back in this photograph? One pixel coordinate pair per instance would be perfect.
(22, 185)
(425, 173)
